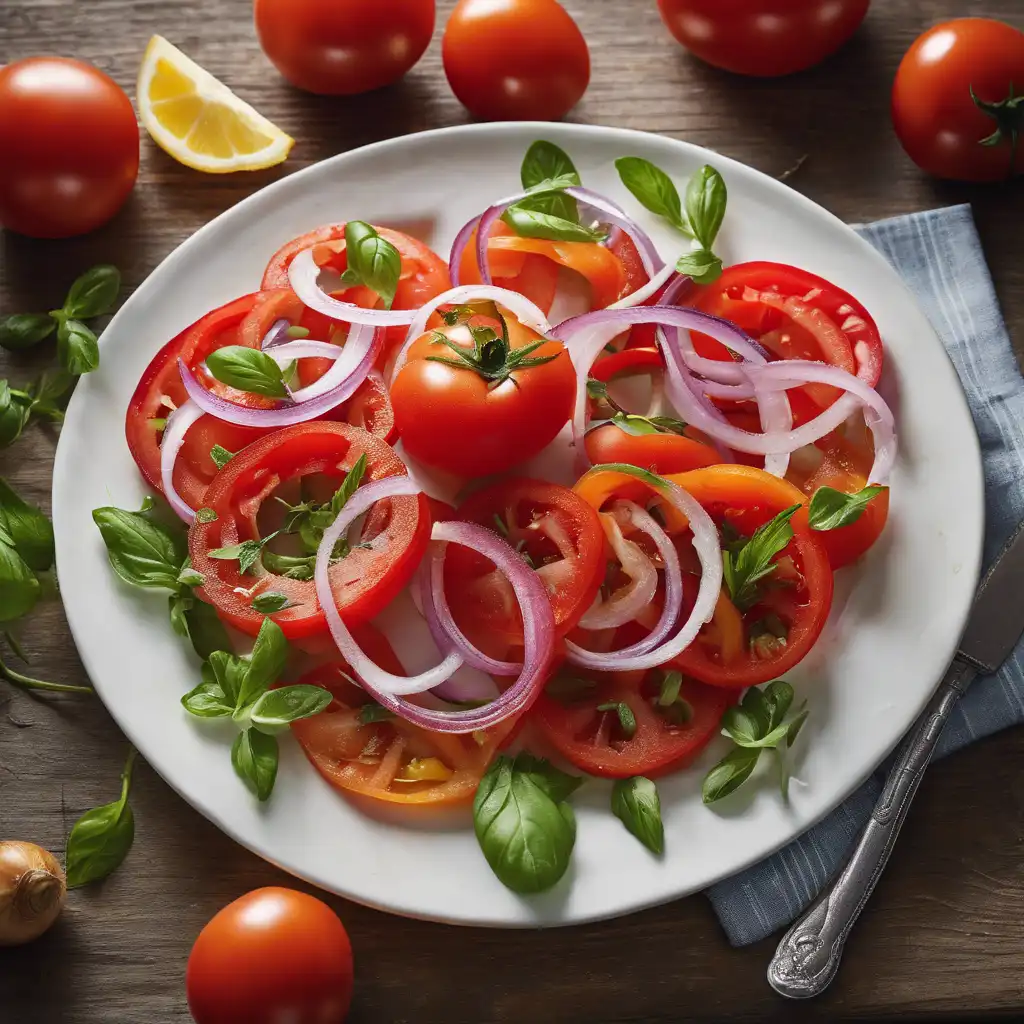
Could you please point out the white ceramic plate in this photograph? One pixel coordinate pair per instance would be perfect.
(892, 631)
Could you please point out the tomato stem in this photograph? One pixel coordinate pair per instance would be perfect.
(1008, 114)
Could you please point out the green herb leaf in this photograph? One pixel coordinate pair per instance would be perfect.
(207, 700)
(221, 456)
(247, 553)
(700, 264)
(706, 199)
(653, 189)
(636, 804)
(228, 671)
(141, 552)
(729, 774)
(597, 389)
(745, 568)
(627, 720)
(94, 293)
(529, 222)
(557, 784)
(19, 588)
(247, 369)
(778, 696)
(255, 755)
(369, 714)
(545, 161)
(349, 486)
(525, 835)
(206, 515)
(671, 683)
(28, 528)
(294, 567)
(178, 605)
(23, 330)
(101, 838)
(796, 725)
(269, 654)
(277, 708)
(205, 629)
(297, 332)
(77, 347)
(189, 577)
(830, 509)
(15, 409)
(374, 261)
(271, 601)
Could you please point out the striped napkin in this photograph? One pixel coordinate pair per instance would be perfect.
(939, 255)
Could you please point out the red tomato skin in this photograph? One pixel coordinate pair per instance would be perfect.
(763, 38)
(937, 122)
(517, 60)
(273, 954)
(70, 146)
(343, 47)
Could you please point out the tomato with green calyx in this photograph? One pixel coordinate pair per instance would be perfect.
(481, 396)
(272, 955)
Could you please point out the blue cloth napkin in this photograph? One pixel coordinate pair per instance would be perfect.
(939, 255)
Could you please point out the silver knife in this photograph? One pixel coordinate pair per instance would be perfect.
(808, 955)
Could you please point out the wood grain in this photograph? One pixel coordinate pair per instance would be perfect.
(944, 934)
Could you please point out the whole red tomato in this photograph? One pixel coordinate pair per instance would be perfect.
(273, 955)
(69, 147)
(343, 47)
(944, 129)
(515, 60)
(765, 38)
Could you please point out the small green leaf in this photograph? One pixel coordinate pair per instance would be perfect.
(28, 528)
(221, 456)
(597, 389)
(23, 330)
(205, 629)
(372, 260)
(206, 515)
(141, 552)
(247, 369)
(94, 293)
(369, 714)
(529, 222)
(831, 509)
(745, 568)
(297, 332)
(271, 601)
(779, 697)
(178, 606)
(15, 409)
(653, 189)
(627, 720)
(228, 671)
(189, 577)
(545, 161)
(636, 804)
(255, 757)
(19, 588)
(247, 553)
(671, 683)
(700, 264)
(276, 709)
(795, 726)
(294, 567)
(77, 347)
(349, 486)
(269, 654)
(557, 784)
(207, 700)
(706, 199)
(729, 774)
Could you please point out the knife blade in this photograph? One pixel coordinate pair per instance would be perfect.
(997, 616)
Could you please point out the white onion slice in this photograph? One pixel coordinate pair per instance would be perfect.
(170, 444)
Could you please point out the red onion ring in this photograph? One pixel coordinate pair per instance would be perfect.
(303, 275)
(628, 602)
(175, 428)
(644, 655)
(277, 335)
(538, 623)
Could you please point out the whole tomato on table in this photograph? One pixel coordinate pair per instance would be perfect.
(957, 101)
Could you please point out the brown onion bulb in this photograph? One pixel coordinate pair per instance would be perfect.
(32, 891)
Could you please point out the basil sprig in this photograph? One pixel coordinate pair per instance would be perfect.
(26, 548)
(101, 838)
(706, 200)
(747, 564)
(761, 721)
(831, 509)
(636, 804)
(247, 369)
(372, 261)
(523, 823)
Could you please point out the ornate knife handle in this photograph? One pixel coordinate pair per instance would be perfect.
(808, 955)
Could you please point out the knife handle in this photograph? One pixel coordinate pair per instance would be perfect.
(808, 956)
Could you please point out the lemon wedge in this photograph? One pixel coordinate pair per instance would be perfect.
(199, 120)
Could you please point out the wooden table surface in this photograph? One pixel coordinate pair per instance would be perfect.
(943, 935)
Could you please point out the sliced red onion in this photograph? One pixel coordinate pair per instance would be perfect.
(626, 603)
(277, 335)
(645, 291)
(336, 386)
(170, 444)
(706, 543)
(303, 276)
(528, 314)
(458, 248)
(388, 689)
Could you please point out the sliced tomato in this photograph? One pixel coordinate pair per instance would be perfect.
(389, 759)
(560, 534)
(363, 582)
(582, 723)
(531, 275)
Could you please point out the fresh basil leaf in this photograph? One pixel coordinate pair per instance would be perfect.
(29, 529)
(627, 720)
(740, 727)
(205, 629)
(228, 671)
(101, 838)
(78, 348)
(206, 515)
(597, 389)
(349, 486)
(745, 568)
(729, 774)
(189, 577)
(269, 654)
(767, 741)
(795, 726)
(545, 161)
(19, 588)
(706, 199)
(15, 409)
(373, 260)
(221, 456)
(636, 804)
(526, 837)
(671, 684)
(700, 264)
(755, 704)
(550, 200)
(247, 369)
(247, 554)
(255, 757)
(635, 426)
(779, 697)
(207, 700)
(178, 605)
(23, 330)
(94, 293)
(50, 386)
(141, 552)
(535, 223)
(831, 509)
(271, 601)
(653, 189)
(557, 784)
(277, 708)
(671, 424)
(294, 567)
(369, 714)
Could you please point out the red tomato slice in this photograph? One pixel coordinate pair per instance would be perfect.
(531, 275)
(390, 760)
(560, 534)
(594, 740)
(363, 582)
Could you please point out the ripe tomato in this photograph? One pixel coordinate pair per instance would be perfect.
(391, 759)
(945, 130)
(575, 718)
(342, 47)
(472, 416)
(364, 581)
(556, 530)
(765, 38)
(273, 955)
(516, 60)
(70, 146)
